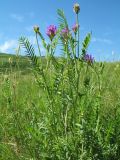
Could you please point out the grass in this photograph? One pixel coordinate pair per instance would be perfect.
(29, 131)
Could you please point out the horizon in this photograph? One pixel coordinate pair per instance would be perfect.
(101, 17)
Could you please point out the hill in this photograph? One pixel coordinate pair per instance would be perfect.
(8, 61)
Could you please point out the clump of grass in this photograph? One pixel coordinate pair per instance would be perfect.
(60, 114)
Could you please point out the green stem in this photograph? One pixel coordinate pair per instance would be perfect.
(43, 75)
(51, 49)
(78, 35)
(38, 45)
(75, 45)
(39, 50)
(99, 80)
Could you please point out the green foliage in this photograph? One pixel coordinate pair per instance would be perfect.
(62, 19)
(29, 51)
(61, 125)
(85, 44)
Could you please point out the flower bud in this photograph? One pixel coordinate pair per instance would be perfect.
(89, 59)
(51, 31)
(75, 28)
(36, 29)
(65, 33)
(76, 8)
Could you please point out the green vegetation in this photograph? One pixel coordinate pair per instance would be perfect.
(28, 130)
(65, 108)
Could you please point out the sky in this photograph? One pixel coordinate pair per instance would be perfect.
(17, 18)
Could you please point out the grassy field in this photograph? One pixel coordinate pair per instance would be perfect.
(56, 121)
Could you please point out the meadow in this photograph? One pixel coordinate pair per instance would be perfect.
(59, 108)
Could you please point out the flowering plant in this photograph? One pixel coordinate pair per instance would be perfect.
(65, 85)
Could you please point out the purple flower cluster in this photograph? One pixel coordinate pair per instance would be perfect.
(65, 33)
(88, 58)
(75, 28)
(51, 31)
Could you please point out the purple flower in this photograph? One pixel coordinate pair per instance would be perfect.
(75, 28)
(88, 58)
(65, 33)
(51, 31)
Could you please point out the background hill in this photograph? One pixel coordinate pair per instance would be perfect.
(14, 62)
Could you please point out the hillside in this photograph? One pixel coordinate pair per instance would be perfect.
(8, 61)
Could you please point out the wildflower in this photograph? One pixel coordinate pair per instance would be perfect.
(88, 58)
(75, 28)
(36, 29)
(51, 31)
(64, 33)
(76, 8)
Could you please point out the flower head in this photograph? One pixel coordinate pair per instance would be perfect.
(51, 31)
(36, 29)
(64, 33)
(76, 8)
(75, 28)
(88, 58)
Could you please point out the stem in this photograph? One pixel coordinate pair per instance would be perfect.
(40, 58)
(78, 34)
(38, 45)
(77, 67)
(75, 55)
(99, 80)
(51, 49)
(39, 49)
(43, 75)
